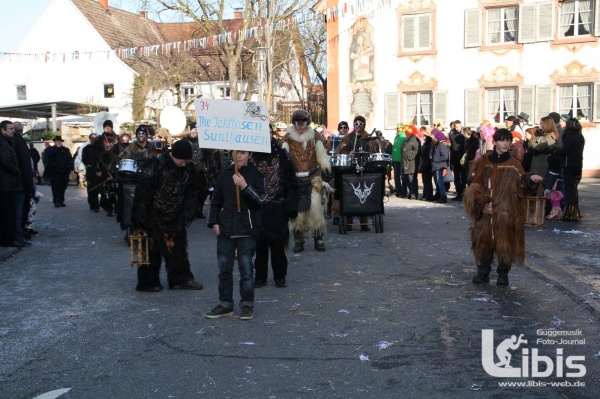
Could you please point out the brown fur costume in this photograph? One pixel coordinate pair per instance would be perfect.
(503, 232)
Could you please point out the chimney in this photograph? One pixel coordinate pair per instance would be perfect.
(143, 14)
(237, 13)
(104, 3)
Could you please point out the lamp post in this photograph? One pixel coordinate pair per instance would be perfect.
(262, 57)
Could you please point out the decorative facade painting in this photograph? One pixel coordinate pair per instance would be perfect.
(361, 64)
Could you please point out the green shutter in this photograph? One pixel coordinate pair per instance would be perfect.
(597, 18)
(596, 105)
(424, 31)
(408, 33)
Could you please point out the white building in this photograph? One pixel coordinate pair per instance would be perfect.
(69, 55)
(421, 60)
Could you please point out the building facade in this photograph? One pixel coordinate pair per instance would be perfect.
(423, 60)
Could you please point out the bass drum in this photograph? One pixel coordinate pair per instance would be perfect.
(379, 161)
(128, 169)
(341, 162)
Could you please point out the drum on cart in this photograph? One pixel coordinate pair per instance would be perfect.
(341, 162)
(127, 169)
(379, 161)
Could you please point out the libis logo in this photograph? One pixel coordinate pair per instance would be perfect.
(532, 365)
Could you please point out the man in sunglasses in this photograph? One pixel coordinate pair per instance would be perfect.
(309, 158)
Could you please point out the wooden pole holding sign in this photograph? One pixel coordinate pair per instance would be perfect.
(237, 188)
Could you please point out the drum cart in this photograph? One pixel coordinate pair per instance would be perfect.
(361, 193)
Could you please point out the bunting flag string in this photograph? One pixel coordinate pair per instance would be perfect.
(331, 13)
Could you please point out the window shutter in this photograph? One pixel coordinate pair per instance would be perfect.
(526, 94)
(597, 19)
(440, 106)
(424, 31)
(391, 110)
(472, 27)
(544, 21)
(408, 33)
(472, 107)
(543, 101)
(596, 102)
(527, 24)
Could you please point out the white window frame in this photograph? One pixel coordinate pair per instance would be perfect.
(419, 116)
(503, 30)
(417, 32)
(576, 17)
(576, 101)
(188, 93)
(502, 108)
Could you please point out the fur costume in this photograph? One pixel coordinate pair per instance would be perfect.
(503, 232)
(163, 205)
(309, 157)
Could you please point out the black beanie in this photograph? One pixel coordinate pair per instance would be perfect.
(192, 125)
(360, 118)
(182, 150)
(106, 123)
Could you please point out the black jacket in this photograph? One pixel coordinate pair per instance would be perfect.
(425, 164)
(572, 151)
(223, 207)
(59, 160)
(457, 149)
(24, 159)
(10, 174)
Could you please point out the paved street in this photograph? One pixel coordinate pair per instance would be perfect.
(390, 315)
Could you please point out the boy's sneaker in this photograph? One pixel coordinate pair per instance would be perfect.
(247, 313)
(219, 311)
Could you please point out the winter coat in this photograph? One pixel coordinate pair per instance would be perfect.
(571, 152)
(223, 207)
(425, 163)
(59, 161)
(24, 159)
(457, 148)
(539, 161)
(10, 174)
(397, 147)
(440, 156)
(410, 150)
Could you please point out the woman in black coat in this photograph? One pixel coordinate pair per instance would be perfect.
(571, 154)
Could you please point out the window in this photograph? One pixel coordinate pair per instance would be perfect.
(417, 108)
(575, 100)
(225, 92)
(576, 18)
(500, 103)
(416, 32)
(502, 25)
(188, 93)
(109, 90)
(22, 92)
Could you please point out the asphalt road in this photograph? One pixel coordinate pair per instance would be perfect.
(390, 315)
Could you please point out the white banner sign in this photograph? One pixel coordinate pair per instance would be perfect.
(233, 125)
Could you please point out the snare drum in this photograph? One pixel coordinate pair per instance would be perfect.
(379, 161)
(128, 169)
(341, 162)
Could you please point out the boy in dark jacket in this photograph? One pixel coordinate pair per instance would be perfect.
(237, 230)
